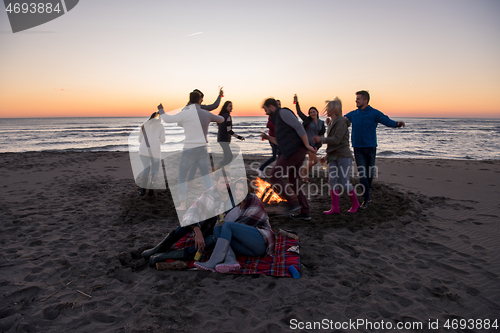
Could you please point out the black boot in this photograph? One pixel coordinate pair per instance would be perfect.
(164, 245)
(176, 254)
(142, 192)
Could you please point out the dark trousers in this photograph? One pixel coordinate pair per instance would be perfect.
(180, 232)
(365, 160)
(228, 154)
(276, 153)
(293, 190)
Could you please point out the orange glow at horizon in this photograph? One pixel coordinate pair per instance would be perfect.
(72, 102)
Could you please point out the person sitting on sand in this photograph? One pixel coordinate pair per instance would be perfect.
(212, 202)
(313, 126)
(339, 156)
(244, 230)
(151, 136)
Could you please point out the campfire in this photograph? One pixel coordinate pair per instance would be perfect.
(264, 191)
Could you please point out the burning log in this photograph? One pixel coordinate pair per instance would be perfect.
(265, 192)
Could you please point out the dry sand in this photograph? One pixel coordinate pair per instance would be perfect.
(73, 228)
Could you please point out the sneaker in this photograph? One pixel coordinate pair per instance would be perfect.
(365, 204)
(301, 216)
(261, 174)
(289, 210)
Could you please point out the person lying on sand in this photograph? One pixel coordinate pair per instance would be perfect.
(245, 229)
(208, 204)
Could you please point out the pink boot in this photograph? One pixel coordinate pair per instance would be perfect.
(335, 203)
(354, 202)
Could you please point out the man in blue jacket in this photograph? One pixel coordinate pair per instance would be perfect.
(364, 139)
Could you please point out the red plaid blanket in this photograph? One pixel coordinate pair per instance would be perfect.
(276, 265)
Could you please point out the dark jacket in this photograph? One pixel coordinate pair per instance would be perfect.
(223, 135)
(288, 139)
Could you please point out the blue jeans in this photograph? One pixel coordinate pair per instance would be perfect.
(191, 158)
(365, 160)
(276, 153)
(244, 239)
(150, 165)
(339, 172)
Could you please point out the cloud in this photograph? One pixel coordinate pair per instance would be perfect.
(196, 33)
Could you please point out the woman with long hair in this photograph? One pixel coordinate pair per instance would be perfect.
(244, 230)
(313, 126)
(225, 133)
(339, 156)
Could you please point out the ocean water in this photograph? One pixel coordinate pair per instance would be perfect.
(476, 139)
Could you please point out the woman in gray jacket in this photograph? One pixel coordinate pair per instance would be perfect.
(339, 156)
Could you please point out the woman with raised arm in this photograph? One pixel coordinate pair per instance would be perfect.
(313, 126)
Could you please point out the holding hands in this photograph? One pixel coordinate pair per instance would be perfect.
(317, 138)
(312, 149)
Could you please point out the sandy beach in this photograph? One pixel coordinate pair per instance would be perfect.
(73, 227)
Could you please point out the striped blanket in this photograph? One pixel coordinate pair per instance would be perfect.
(276, 265)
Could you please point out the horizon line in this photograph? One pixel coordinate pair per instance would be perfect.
(263, 116)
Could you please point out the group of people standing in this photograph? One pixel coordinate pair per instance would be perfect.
(295, 140)
(245, 227)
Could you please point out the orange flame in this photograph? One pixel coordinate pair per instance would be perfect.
(265, 193)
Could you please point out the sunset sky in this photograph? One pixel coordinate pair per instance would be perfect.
(121, 57)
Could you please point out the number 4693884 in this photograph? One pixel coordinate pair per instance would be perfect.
(32, 8)
(471, 324)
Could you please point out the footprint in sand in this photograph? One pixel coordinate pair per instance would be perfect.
(238, 312)
(472, 291)
(465, 239)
